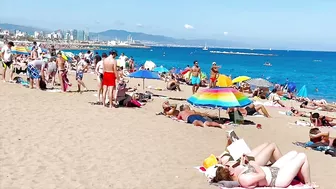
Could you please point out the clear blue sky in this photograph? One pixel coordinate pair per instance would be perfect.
(305, 24)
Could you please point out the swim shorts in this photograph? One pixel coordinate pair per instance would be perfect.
(213, 79)
(33, 72)
(79, 75)
(195, 80)
(195, 117)
(250, 111)
(109, 79)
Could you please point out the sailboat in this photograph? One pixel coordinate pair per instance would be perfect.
(205, 48)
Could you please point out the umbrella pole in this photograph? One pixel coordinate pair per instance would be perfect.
(219, 117)
(143, 83)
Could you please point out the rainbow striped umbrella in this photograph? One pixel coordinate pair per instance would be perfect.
(221, 98)
(20, 50)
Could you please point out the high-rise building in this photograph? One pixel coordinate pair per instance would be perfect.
(86, 35)
(73, 34)
(80, 35)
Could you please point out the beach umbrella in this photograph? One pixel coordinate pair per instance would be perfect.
(303, 92)
(240, 79)
(185, 71)
(160, 69)
(259, 82)
(224, 81)
(20, 50)
(149, 65)
(178, 71)
(291, 86)
(219, 98)
(144, 74)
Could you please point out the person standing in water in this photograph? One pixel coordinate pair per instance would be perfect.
(109, 77)
(195, 72)
(214, 74)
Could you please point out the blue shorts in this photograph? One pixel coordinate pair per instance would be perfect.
(195, 117)
(79, 75)
(33, 72)
(195, 80)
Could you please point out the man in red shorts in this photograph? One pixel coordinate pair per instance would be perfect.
(110, 76)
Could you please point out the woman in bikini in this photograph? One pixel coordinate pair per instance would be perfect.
(250, 175)
(318, 120)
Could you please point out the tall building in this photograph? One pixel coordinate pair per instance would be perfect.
(80, 35)
(73, 34)
(86, 35)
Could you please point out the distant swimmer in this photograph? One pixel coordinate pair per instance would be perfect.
(316, 89)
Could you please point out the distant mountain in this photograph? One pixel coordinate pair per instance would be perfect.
(28, 29)
(160, 39)
(143, 37)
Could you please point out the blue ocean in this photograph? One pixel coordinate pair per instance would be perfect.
(316, 70)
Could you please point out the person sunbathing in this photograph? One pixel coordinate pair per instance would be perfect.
(195, 118)
(318, 120)
(170, 109)
(262, 154)
(173, 85)
(250, 175)
(319, 138)
(295, 112)
(328, 108)
(275, 97)
(252, 109)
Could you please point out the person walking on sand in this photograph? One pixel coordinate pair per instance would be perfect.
(214, 74)
(82, 66)
(7, 57)
(109, 77)
(100, 71)
(195, 72)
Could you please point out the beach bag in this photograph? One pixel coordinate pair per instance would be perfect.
(236, 117)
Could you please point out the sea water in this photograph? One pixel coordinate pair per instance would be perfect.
(314, 69)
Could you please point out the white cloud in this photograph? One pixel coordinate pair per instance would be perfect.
(139, 25)
(188, 27)
(226, 33)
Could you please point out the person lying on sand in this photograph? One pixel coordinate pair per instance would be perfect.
(250, 175)
(317, 137)
(295, 112)
(170, 109)
(262, 154)
(195, 118)
(328, 108)
(318, 120)
(252, 109)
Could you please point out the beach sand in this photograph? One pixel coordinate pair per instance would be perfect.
(54, 140)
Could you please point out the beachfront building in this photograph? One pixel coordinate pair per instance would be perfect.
(80, 35)
(20, 34)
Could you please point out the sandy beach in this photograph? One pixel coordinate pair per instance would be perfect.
(54, 140)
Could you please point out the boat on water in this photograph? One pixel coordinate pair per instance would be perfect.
(205, 48)
(267, 64)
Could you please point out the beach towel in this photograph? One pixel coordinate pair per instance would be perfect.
(33, 72)
(315, 146)
(65, 81)
(234, 185)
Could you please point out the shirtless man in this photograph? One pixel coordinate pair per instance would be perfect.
(195, 72)
(109, 77)
(192, 117)
(214, 74)
(60, 62)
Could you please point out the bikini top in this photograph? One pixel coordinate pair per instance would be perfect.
(250, 169)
